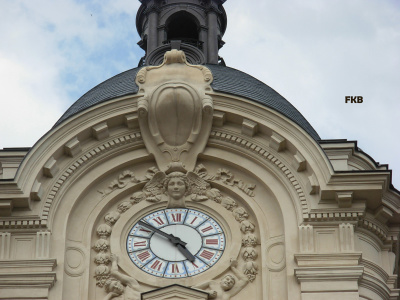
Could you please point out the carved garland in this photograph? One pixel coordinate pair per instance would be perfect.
(249, 239)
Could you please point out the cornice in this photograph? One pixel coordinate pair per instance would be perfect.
(83, 160)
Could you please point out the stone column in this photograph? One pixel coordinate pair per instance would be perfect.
(152, 39)
(212, 20)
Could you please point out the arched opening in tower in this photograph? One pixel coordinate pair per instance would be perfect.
(182, 26)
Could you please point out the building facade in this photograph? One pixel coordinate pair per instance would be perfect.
(186, 179)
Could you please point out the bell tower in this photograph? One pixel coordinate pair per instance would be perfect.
(194, 26)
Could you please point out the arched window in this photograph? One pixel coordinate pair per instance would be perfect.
(182, 26)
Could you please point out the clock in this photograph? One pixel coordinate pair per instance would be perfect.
(175, 243)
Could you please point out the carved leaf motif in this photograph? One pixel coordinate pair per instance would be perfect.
(101, 245)
(225, 176)
(246, 226)
(102, 273)
(102, 258)
(111, 217)
(203, 173)
(246, 187)
(240, 214)
(124, 206)
(251, 270)
(122, 181)
(228, 203)
(137, 197)
(214, 195)
(150, 173)
(103, 230)
(249, 240)
(250, 253)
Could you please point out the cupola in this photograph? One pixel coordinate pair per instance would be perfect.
(194, 26)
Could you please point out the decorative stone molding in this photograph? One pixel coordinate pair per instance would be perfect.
(179, 106)
(5, 243)
(37, 191)
(312, 185)
(346, 234)
(306, 238)
(43, 244)
(6, 207)
(326, 279)
(74, 261)
(51, 168)
(316, 260)
(383, 213)
(344, 199)
(73, 147)
(175, 292)
(348, 216)
(219, 118)
(299, 163)
(373, 227)
(100, 131)
(276, 254)
(27, 278)
(91, 154)
(249, 127)
(26, 223)
(228, 178)
(265, 155)
(122, 181)
(132, 121)
(277, 142)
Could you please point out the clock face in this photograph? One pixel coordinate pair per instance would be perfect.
(161, 254)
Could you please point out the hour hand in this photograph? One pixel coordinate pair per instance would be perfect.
(186, 253)
(173, 239)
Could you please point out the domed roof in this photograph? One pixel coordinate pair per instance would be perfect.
(226, 80)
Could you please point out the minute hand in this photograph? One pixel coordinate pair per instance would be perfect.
(173, 239)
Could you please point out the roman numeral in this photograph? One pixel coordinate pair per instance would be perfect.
(156, 264)
(145, 230)
(207, 229)
(144, 255)
(140, 244)
(193, 221)
(175, 268)
(195, 265)
(176, 217)
(212, 242)
(159, 221)
(207, 254)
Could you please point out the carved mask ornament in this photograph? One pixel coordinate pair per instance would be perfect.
(175, 113)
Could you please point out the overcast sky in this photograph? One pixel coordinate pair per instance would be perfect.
(313, 52)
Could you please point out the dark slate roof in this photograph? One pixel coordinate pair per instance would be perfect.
(120, 85)
(226, 80)
(232, 81)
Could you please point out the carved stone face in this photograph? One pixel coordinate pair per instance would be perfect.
(176, 188)
(117, 287)
(227, 282)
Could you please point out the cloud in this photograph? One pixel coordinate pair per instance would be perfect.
(315, 53)
(52, 53)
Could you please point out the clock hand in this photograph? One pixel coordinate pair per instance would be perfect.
(173, 239)
(186, 252)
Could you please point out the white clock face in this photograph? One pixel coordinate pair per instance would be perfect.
(161, 254)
